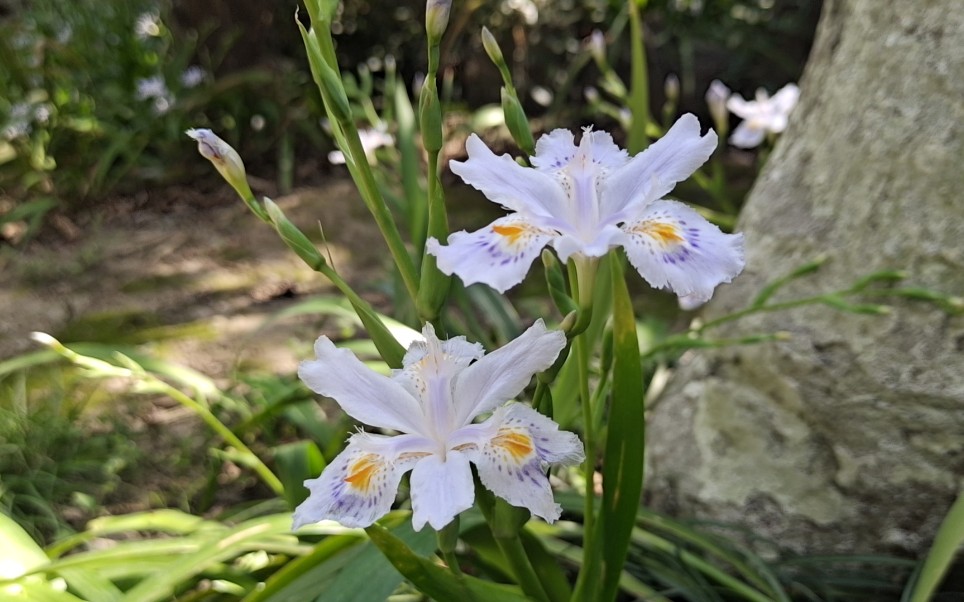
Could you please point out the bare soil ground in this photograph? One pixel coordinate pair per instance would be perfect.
(191, 268)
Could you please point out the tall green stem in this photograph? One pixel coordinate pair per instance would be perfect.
(324, 69)
(221, 429)
(525, 575)
(589, 467)
(639, 82)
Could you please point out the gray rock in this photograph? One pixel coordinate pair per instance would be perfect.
(850, 435)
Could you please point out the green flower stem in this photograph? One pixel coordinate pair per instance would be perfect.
(833, 299)
(589, 438)
(542, 399)
(372, 196)
(254, 205)
(324, 70)
(321, 21)
(388, 347)
(639, 81)
(448, 538)
(433, 285)
(582, 280)
(505, 521)
(525, 575)
(718, 189)
(949, 538)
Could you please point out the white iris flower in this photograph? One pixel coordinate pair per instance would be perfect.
(371, 140)
(432, 401)
(585, 200)
(761, 116)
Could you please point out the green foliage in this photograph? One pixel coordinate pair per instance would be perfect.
(54, 455)
(95, 95)
(85, 84)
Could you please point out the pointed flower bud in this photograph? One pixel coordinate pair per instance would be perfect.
(292, 236)
(492, 47)
(436, 19)
(224, 158)
(430, 117)
(671, 88)
(517, 122)
(597, 46)
(716, 97)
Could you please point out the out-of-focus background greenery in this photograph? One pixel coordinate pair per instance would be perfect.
(95, 96)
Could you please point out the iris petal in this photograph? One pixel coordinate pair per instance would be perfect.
(519, 444)
(441, 489)
(360, 484)
(673, 247)
(498, 255)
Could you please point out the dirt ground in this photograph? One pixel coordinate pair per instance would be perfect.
(193, 270)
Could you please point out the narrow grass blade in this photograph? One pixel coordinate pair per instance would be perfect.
(625, 442)
(949, 539)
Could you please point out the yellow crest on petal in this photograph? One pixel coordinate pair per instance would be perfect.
(518, 444)
(362, 470)
(512, 233)
(664, 233)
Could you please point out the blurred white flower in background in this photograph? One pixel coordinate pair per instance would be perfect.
(147, 25)
(152, 87)
(716, 96)
(761, 116)
(527, 8)
(193, 76)
(155, 88)
(371, 139)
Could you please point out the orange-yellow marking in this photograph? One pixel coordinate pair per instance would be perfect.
(511, 232)
(516, 443)
(361, 472)
(663, 232)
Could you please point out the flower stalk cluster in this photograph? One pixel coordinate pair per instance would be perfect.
(453, 415)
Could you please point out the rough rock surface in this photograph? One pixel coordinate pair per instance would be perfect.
(849, 436)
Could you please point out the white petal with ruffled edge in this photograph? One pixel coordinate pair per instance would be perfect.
(673, 246)
(359, 485)
(555, 150)
(581, 172)
(654, 172)
(504, 373)
(748, 134)
(498, 255)
(363, 394)
(512, 452)
(566, 246)
(457, 349)
(441, 489)
(785, 99)
(741, 107)
(504, 181)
